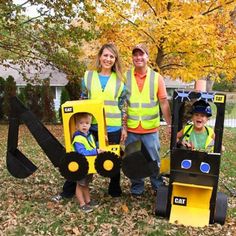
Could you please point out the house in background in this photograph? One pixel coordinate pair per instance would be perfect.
(171, 85)
(36, 72)
(39, 71)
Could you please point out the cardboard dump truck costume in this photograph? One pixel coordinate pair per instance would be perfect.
(191, 197)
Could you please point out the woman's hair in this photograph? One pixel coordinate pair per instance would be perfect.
(117, 67)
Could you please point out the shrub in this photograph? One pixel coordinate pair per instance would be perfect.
(47, 102)
(224, 85)
(9, 91)
(2, 87)
(74, 88)
(64, 97)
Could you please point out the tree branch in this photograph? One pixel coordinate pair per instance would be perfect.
(170, 65)
(131, 22)
(136, 25)
(34, 18)
(215, 8)
(22, 4)
(16, 50)
(153, 10)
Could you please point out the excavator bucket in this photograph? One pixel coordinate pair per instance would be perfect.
(137, 162)
(19, 165)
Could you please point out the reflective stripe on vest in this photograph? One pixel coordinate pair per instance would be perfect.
(143, 106)
(109, 95)
(89, 145)
(209, 135)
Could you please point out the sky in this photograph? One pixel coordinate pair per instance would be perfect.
(30, 11)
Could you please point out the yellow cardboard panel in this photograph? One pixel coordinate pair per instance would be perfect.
(189, 216)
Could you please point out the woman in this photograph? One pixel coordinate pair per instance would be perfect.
(107, 83)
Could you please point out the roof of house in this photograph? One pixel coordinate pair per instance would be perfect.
(41, 71)
(37, 70)
(177, 83)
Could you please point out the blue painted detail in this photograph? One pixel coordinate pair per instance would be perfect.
(186, 164)
(184, 95)
(205, 167)
(208, 97)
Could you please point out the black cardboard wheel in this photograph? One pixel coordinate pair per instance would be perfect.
(220, 208)
(161, 201)
(107, 164)
(74, 166)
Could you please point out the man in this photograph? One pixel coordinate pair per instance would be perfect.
(146, 91)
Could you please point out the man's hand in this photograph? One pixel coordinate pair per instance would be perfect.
(169, 130)
(123, 136)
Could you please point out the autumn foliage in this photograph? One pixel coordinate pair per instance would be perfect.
(186, 39)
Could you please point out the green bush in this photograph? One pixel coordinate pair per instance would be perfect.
(39, 100)
(32, 99)
(229, 107)
(224, 85)
(9, 91)
(74, 88)
(47, 102)
(64, 97)
(2, 87)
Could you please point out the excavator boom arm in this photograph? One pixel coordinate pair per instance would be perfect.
(17, 163)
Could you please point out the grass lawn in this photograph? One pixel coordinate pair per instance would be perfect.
(26, 209)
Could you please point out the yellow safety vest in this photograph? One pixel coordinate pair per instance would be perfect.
(143, 106)
(110, 95)
(209, 141)
(88, 144)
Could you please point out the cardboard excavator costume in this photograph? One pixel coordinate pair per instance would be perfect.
(72, 166)
(191, 197)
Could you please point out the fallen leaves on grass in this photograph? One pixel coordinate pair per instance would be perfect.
(26, 209)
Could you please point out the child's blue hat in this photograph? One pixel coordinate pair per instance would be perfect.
(202, 106)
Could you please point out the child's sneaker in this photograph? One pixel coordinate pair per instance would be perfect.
(86, 208)
(93, 204)
(57, 198)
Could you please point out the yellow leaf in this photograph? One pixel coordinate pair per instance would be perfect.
(124, 208)
(76, 231)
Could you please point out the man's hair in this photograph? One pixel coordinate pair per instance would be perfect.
(142, 47)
